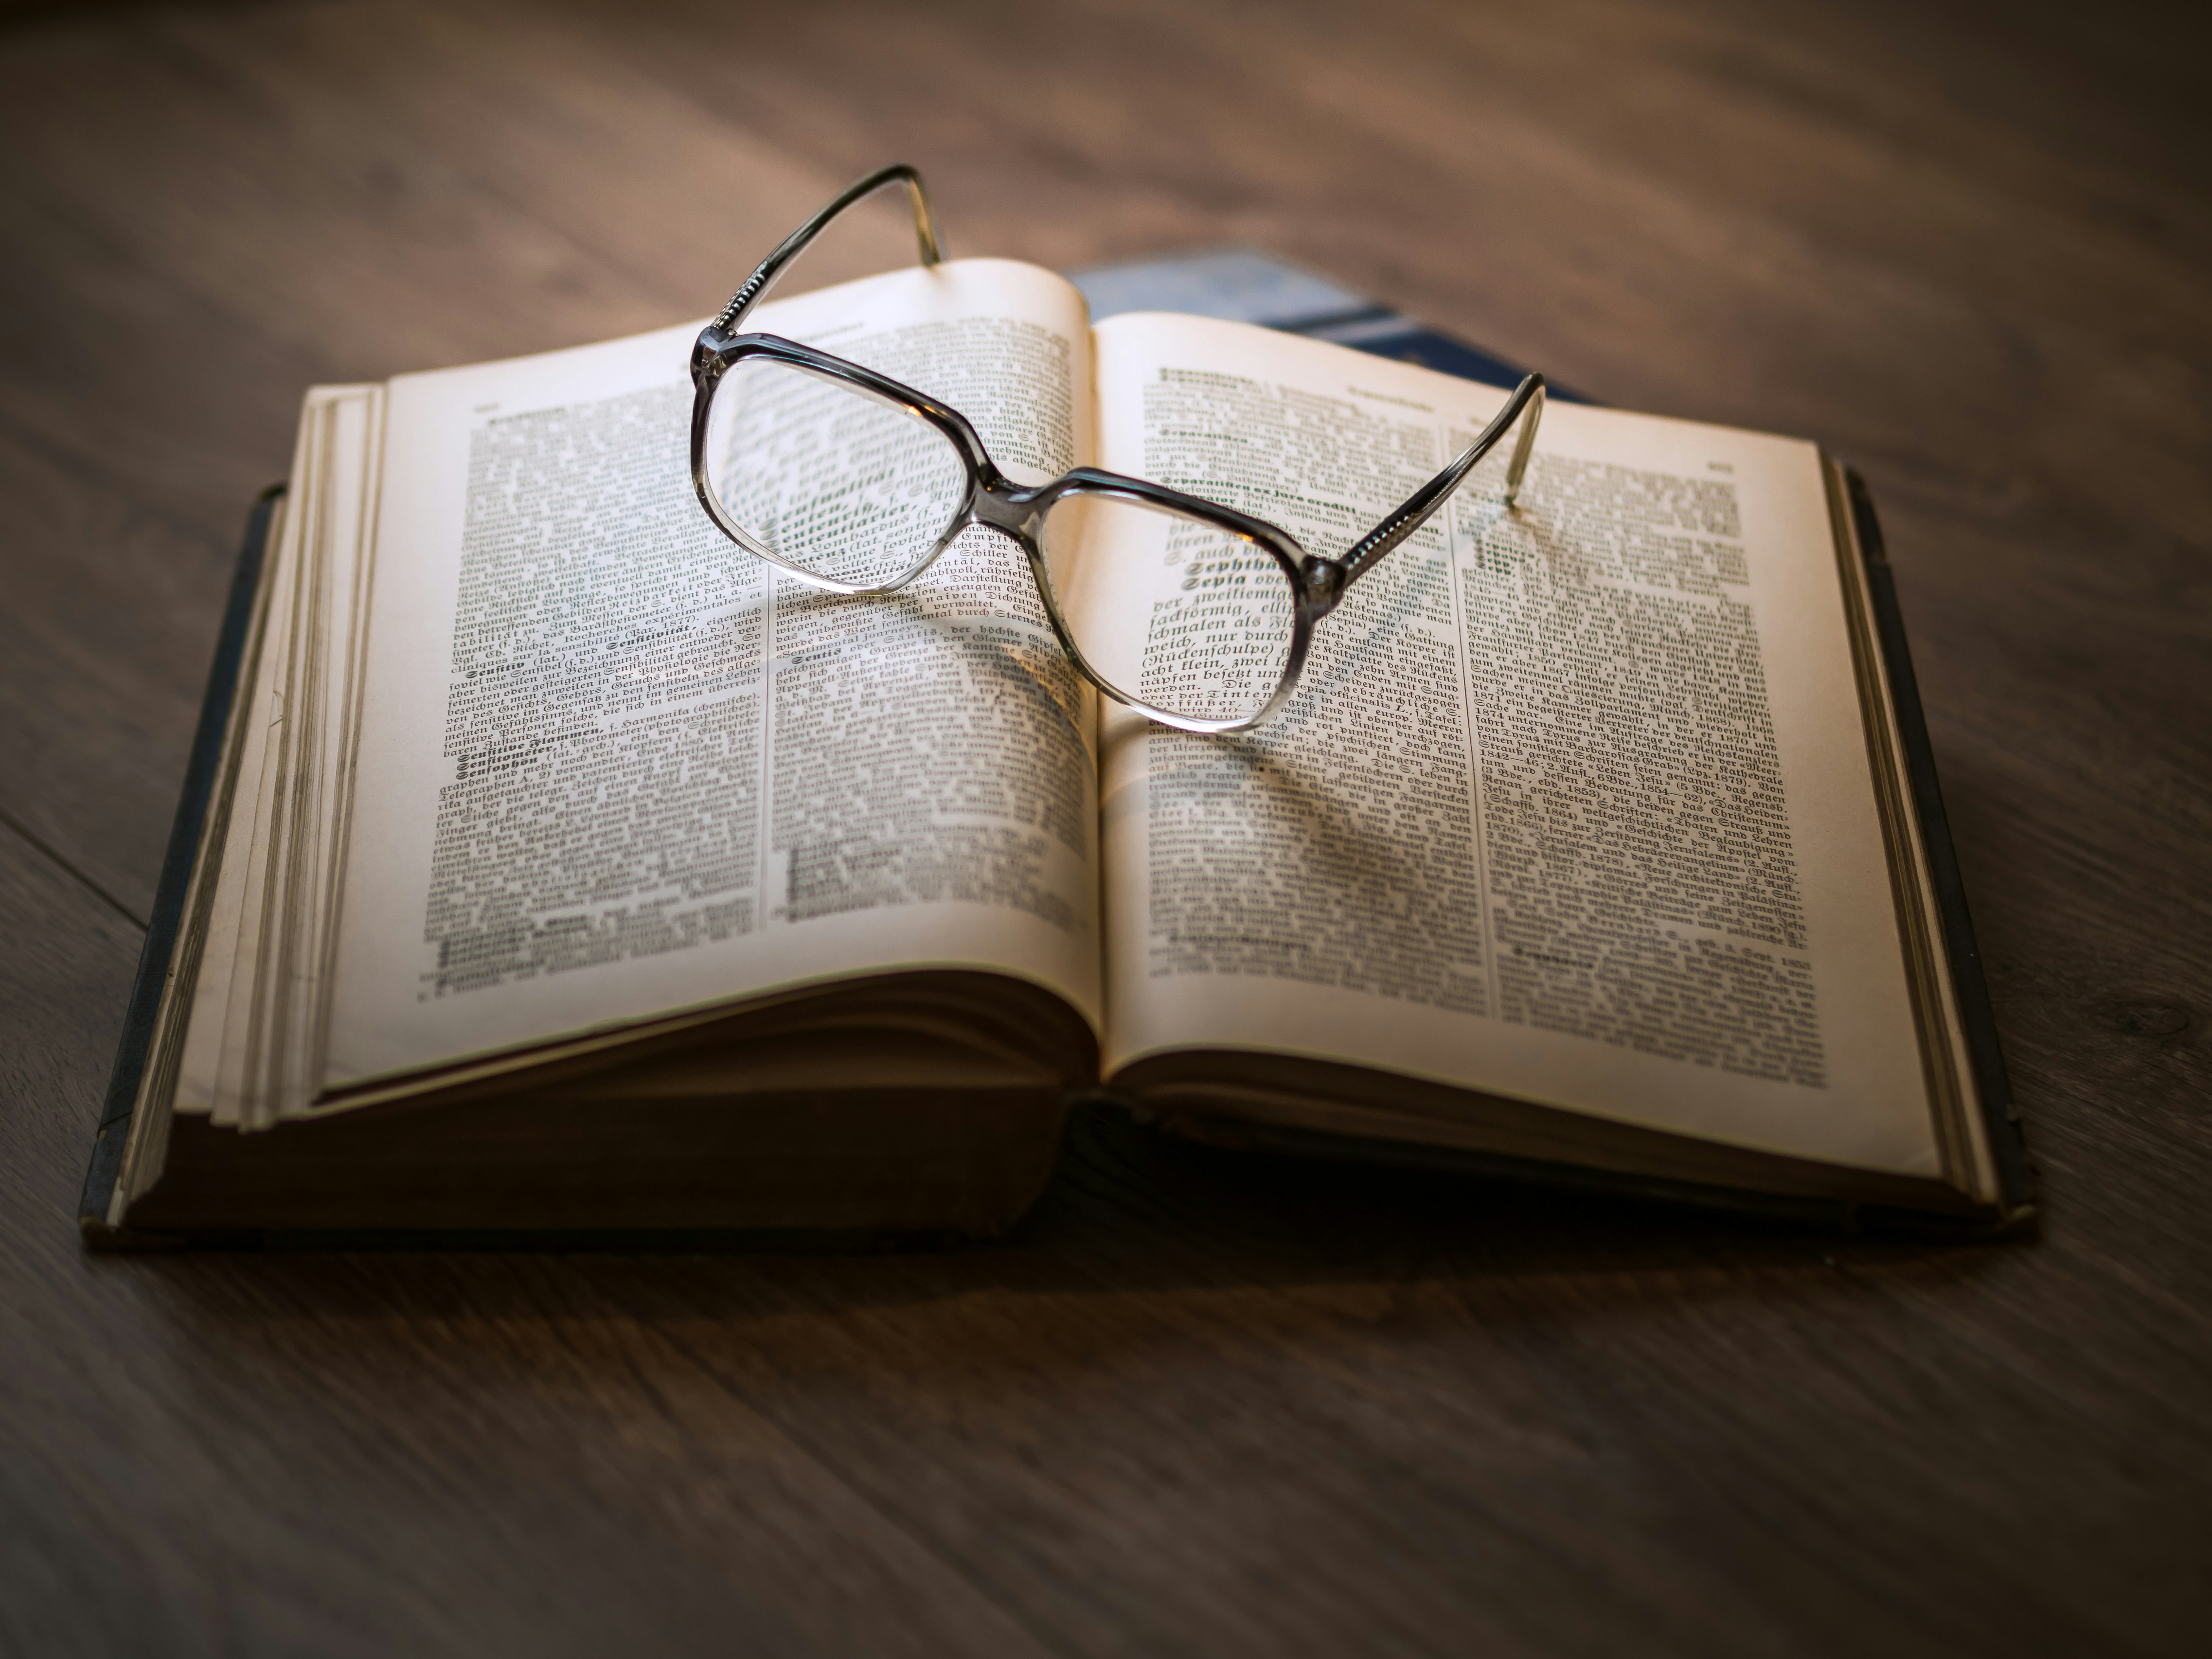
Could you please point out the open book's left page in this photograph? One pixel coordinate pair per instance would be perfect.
(612, 767)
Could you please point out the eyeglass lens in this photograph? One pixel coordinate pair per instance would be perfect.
(1170, 610)
(828, 477)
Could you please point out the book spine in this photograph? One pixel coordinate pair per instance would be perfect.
(1992, 1086)
(185, 832)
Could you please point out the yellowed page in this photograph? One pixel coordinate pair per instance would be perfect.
(609, 769)
(1574, 804)
(257, 991)
(224, 977)
(304, 887)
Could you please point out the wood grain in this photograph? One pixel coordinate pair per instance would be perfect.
(1204, 1403)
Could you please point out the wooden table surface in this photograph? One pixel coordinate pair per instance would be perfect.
(1203, 1404)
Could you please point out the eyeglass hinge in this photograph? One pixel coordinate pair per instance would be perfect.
(1323, 580)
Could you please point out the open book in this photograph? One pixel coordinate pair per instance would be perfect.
(557, 866)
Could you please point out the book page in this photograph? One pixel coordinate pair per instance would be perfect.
(224, 979)
(613, 766)
(257, 985)
(1573, 804)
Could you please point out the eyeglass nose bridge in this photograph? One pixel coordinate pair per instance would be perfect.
(1017, 509)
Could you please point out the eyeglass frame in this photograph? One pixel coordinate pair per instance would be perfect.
(1317, 581)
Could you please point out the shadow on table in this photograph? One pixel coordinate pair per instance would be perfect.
(1134, 1212)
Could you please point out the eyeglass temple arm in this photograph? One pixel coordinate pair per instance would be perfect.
(1529, 398)
(925, 234)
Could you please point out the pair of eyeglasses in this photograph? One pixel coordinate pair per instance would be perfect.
(1193, 613)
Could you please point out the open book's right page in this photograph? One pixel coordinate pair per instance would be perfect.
(1573, 804)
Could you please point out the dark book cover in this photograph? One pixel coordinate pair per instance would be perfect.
(166, 926)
